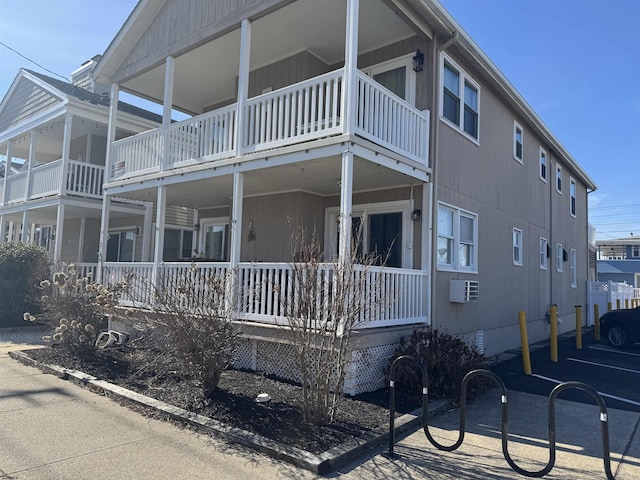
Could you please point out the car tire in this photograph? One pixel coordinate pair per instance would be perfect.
(618, 336)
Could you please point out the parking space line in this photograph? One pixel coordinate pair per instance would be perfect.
(614, 397)
(604, 365)
(613, 350)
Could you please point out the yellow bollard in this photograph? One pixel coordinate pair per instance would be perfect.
(617, 304)
(609, 306)
(553, 321)
(596, 321)
(524, 340)
(579, 327)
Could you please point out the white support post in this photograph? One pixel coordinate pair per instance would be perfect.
(167, 106)
(12, 232)
(57, 249)
(426, 245)
(66, 147)
(111, 133)
(104, 234)
(7, 171)
(243, 83)
(146, 231)
(351, 65)
(3, 231)
(25, 226)
(83, 222)
(32, 158)
(236, 240)
(161, 209)
(346, 191)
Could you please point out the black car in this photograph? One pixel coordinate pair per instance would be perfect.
(621, 327)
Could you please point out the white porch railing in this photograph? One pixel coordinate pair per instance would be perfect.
(308, 110)
(297, 113)
(265, 291)
(85, 179)
(46, 179)
(16, 187)
(386, 119)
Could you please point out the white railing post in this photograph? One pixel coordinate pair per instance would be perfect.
(243, 84)
(57, 250)
(167, 106)
(32, 158)
(236, 240)
(161, 209)
(350, 66)
(7, 171)
(104, 233)
(66, 147)
(111, 132)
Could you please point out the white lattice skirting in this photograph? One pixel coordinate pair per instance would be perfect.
(365, 371)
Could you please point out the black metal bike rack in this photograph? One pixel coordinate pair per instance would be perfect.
(604, 426)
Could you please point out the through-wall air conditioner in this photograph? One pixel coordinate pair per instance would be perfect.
(463, 291)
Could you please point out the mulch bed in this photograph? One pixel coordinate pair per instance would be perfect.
(234, 404)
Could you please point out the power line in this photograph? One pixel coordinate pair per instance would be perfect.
(615, 206)
(34, 62)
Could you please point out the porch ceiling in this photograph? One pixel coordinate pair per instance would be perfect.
(206, 75)
(320, 177)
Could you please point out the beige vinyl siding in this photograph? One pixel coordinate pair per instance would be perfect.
(27, 100)
(180, 24)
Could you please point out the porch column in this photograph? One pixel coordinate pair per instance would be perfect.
(114, 98)
(236, 240)
(104, 231)
(351, 65)
(25, 225)
(243, 83)
(426, 247)
(3, 231)
(161, 209)
(346, 191)
(32, 158)
(66, 147)
(83, 222)
(7, 171)
(167, 105)
(146, 231)
(57, 249)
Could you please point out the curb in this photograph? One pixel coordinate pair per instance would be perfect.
(321, 463)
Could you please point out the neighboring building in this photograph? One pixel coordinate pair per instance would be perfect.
(619, 260)
(53, 134)
(309, 114)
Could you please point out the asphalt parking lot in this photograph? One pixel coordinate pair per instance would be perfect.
(613, 373)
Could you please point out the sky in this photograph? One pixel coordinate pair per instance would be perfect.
(576, 62)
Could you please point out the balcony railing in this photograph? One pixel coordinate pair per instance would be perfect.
(298, 113)
(265, 291)
(83, 179)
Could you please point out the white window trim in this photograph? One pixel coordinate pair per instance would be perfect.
(559, 257)
(405, 207)
(403, 61)
(544, 260)
(546, 165)
(516, 127)
(574, 268)
(573, 197)
(182, 229)
(211, 221)
(455, 267)
(635, 251)
(463, 76)
(120, 230)
(517, 261)
(558, 170)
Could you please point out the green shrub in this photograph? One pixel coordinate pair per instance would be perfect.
(22, 267)
(447, 359)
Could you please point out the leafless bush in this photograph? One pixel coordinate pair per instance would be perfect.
(324, 302)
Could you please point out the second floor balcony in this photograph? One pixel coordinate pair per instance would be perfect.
(306, 111)
(50, 179)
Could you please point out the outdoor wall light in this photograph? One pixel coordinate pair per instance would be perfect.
(418, 61)
(416, 214)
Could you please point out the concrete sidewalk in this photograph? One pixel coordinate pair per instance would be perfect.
(53, 429)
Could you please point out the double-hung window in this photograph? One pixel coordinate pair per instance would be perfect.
(543, 165)
(543, 253)
(559, 257)
(574, 268)
(572, 195)
(457, 244)
(460, 105)
(558, 178)
(517, 247)
(518, 142)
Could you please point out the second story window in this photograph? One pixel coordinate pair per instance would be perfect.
(559, 257)
(559, 179)
(543, 165)
(572, 195)
(543, 253)
(517, 142)
(460, 103)
(517, 247)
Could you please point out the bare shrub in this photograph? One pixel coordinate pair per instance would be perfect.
(324, 302)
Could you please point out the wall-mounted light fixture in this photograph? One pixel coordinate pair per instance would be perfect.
(418, 61)
(416, 214)
(196, 227)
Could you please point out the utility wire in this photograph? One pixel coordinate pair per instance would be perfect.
(34, 62)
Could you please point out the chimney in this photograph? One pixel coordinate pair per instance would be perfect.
(82, 77)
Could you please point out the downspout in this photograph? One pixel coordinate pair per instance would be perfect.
(434, 156)
(552, 184)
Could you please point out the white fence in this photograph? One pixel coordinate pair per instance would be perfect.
(603, 293)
